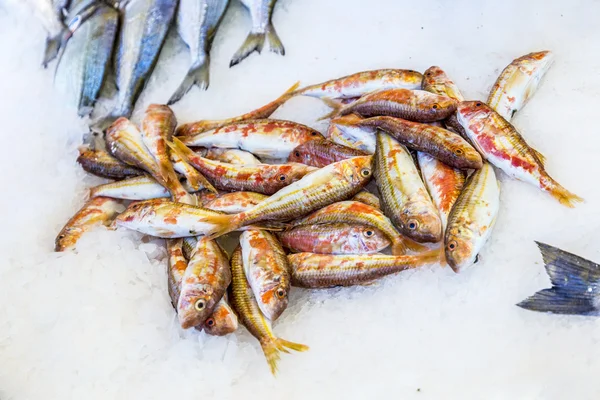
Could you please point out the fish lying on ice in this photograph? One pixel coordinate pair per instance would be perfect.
(102, 164)
(320, 153)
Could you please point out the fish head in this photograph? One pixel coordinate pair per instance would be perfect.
(470, 112)
(458, 248)
(356, 170)
(434, 107)
(421, 222)
(462, 154)
(292, 172)
(433, 75)
(273, 295)
(369, 239)
(195, 305)
(67, 238)
(222, 321)
(302, 153)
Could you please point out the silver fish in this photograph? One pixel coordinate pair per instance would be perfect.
(197, 23)
(51, 20)
(262, 29)
(83, 65)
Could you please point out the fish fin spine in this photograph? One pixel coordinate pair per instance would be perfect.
(197, 75)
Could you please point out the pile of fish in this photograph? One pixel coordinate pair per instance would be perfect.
(299, 198)
(86, 34)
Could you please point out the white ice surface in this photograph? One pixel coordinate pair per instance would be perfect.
(98, 324)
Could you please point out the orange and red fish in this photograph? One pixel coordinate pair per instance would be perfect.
(319, 153)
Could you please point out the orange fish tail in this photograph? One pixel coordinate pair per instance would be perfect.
(561, 194)
(223, 224)
(274, 347)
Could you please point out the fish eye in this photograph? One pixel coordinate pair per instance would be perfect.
(210, 322)
(365, 172)
(297, 154)
(368, 233)
(478, 104)
(452, 245)
(199, 305)
(282, 178)
(428, 73)
(280, 293)
(458, 151)
(412, 224)
(314, 133)
(476, 259)
(435, 106)
(61, 236)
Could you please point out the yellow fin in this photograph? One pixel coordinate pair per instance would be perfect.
(273, 347)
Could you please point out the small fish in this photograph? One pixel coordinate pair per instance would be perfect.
(336, 238)
(347, 132)
(404, 196)
(575, 285)
(362, 83)
(444, 145)
(157, 130)
(265, 111)
(246, 306)
(232, 156)
(335, 182)
(320, 153)
(100, 210)
(500, 144)
(414, 105)
(136, 188)
(102, 164)
(261, 12)
(472, 218)
(197, 23)
(354, 212)
(367, 198)
(266, 138)
(267, 271)
(317, 271)
(145, 24)
(518, 82)
(436, 81)
(260, 178)
(444, 183)
(83, 65)
(204, 283)
(193, 177)
(236, 202)
(223, 320)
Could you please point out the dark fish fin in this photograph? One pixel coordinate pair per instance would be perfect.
(575, 284)
(275, 44)
(54, 45)
(197, 75)
(254, 42)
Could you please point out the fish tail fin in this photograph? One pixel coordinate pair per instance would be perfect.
(574, 284)
(275, 44)
(197, 75)
(54, 45)
(223, 224)
(402, 245)
(275, 346)
(183, 151)
(336, 107)
(561, 194)
(254, 42)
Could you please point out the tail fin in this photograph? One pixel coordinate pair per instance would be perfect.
(561, 194)
(254, 42)
(275, 44)
(273, 347)
(223, 224)
(336, 107)
(182, 151)
(401, 245)
(574, 284)
(197, 75)
(54, 45)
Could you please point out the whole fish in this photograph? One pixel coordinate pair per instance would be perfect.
(414, 105)
(262, 30)
(265, 111)
(518, 82)
(319, 153)
(144, 28)
(197, 22)
(354, 212)
(347, 132)
(136, 188)
(267, 271)
(102, 164)
(236, 202)
(204, 283)
(266, 138)
(444, 145)
(472, 218)
(575, 288)
(232, 156)
(194, 178)
(444, 183)
(100, 210)
(260, 178)
(368, 198)
(335, 182)
(83, 65)
(51, 19)
(403, 194)
(244, 303)
(223, 320)
(336, 238)
(436, 81)
(362, 83)
(500, 143)
(316, 271)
